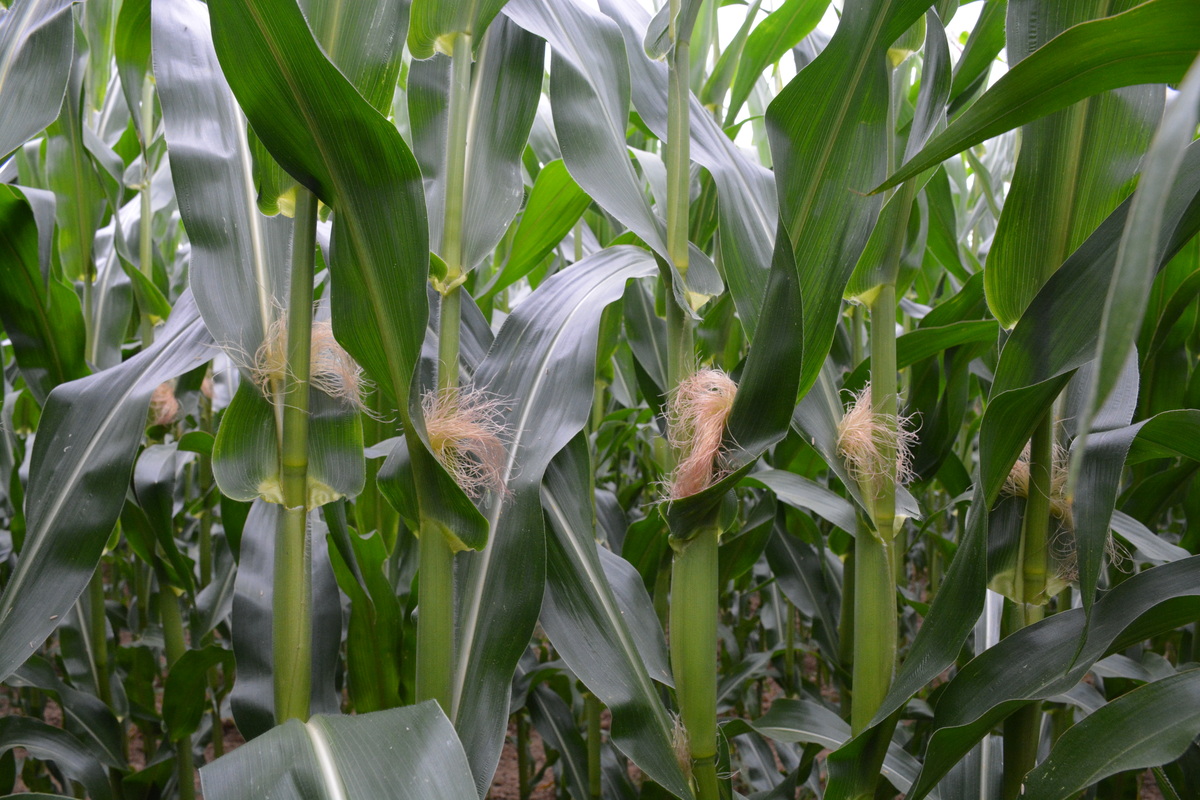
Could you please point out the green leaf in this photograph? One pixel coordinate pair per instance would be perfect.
(987, 689)
(828, 133)
(436, 22)
(40, 313)
(983, 45)
(595, 633)
(375, 638)
(542, 365)
(803, 579)
(246, 453)
(239, 262)
(1151, 725)
(1154, 42)
(184, 698)
(82, 461)
(36, 44)
(555, 204)
(768, 43)
(404, 754)
(807, 495)
(507, 82)
(363, 40)
(86, 716)
(1074, 168)
(322, 131)
(1138, 258)
(72, 177)
(131, 46)
(806, 721)
(48, 743)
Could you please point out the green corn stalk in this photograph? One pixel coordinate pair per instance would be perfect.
(292, 612)
(435, 626)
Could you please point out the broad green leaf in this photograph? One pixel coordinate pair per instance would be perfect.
(41, 314)
(131, 46)
(252, 699)
(806, 721)
(589, 97)
(48, 743)
(36, 45)
(594, 634)
(319, 128)
(436, 22)
(1150, 725)
(374, 640)
(926, 342)
(828, 133)
(987, 689)
(1138, 258)
(239, 271)
(1167, 435)
(72, 177)
(1154, 42)
(363, 39)
(797, 567)
(184, 698)
(983, 45)
(87, 440)
(403, 754)
(554, 721)
(806, 494)
(85, 715)
(246, 454)
(1075, 165)
(555, 204)
(542, 365)
(506, 86)
(770, 41)
(745, 207)
(239, 262)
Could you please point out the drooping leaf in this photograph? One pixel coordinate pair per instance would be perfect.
(40, 313)
(319, 128)
(88, 437)
(541, 366)
(36, 45)
(1149, 726)
(746, 207)
(828, 133)
(594, 634)
(986, 690)
(1153, 42)
(405, 753)
(48, 743)
(1138, 258)
(1074, 168)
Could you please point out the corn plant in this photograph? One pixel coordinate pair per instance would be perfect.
(437, 399)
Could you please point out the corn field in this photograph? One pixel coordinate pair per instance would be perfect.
(650, 398)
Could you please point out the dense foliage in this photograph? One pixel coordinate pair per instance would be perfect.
(739, 411)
